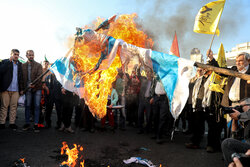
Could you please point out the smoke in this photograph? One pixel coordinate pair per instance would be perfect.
(164, 17)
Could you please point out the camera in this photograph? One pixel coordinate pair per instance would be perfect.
(229, 110)
(244, 159)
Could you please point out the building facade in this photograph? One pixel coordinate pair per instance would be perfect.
(231, 55)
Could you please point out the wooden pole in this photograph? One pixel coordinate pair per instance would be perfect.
(223, 71)
(36, 80)
(212, 41)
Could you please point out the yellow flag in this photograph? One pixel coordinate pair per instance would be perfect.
(221, 59)
(217, 83)
(208, 18)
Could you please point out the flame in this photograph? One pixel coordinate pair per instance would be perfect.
(125, 28)
(72, 154)
(97, 85)
(22, 159)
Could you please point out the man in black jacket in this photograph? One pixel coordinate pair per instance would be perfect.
(10, 87)
(204, 102)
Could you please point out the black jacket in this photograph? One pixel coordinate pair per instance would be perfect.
(6, 72)
(54, 87)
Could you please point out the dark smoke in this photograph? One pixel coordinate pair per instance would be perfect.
(164, 17)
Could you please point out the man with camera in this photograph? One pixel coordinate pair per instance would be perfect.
(243, 116)
(238, 158)
(230, 146)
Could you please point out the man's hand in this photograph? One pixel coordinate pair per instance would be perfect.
(236, 163)
(63, 91)
(11, 58)
(21, 92)
(248, 152)
(151, 101)
(31, 86)
(110, 106)
(210, 54)
(235, 114)
(46, 88)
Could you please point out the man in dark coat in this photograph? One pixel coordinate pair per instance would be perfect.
(10, 87)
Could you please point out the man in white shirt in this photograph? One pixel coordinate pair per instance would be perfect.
(237, 88)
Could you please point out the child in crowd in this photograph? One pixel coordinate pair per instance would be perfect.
(113, 99)
(45, 93)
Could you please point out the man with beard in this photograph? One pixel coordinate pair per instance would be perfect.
(31, 71)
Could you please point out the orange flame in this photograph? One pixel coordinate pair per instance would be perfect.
(22, 159)
(97, 85)
(72, 154)
(125, 28)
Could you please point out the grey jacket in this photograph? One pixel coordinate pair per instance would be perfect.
(245, 119)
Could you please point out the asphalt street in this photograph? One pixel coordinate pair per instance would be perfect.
(101, 148)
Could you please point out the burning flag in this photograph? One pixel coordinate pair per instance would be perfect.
(92, 64)
(173, 71)
(96, 57)
(66, 74)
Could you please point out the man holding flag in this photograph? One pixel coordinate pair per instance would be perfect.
(205, 107)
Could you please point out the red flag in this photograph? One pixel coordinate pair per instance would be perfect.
(175, 48)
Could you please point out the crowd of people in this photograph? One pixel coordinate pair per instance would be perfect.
(143, 104)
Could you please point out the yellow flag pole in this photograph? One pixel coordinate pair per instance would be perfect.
(212, 39)
(216, 29)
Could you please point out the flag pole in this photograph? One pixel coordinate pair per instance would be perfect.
(223, 71)
(216, 29)
(36, 80)
(212, 39)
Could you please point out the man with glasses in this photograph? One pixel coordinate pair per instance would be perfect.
(10, 87)
(31, 71)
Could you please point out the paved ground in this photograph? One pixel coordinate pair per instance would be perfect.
(100, 148)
